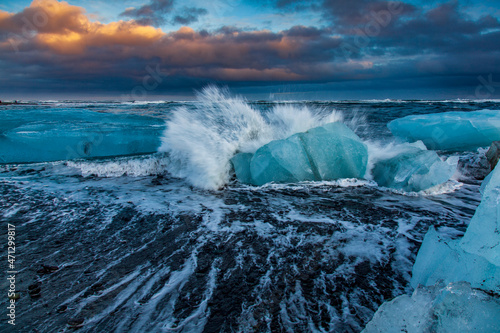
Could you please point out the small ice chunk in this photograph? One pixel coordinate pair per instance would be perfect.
(450, 130)
(453, 308)
(414, 170)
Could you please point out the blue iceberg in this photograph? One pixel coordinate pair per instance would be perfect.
(327, 152)
(450, 130)
(441, 259)
(456, 281)
(281, 161)
(482, 237)
(475, 257)
(60, 134)
(414, 170)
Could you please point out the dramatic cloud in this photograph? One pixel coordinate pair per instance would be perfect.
(189, 15)
(151, 14)
(55, 44)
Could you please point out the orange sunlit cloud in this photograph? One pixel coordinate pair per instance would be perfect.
(66, 30)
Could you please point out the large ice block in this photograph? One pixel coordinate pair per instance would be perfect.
(63, 134)
(450, 130)
(414, 170)
(327, 152)
(444, 259)
(455, 307)
(483, 233)
(281, 161)
(335, 152)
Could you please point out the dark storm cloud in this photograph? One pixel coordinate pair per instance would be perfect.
(409, 44)
(356, 12)
(189, 15)
(151, 14)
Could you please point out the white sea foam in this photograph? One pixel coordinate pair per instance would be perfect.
(135, 167)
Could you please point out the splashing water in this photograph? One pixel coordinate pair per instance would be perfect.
(201, 141)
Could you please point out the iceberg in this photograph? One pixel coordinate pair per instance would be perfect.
(414, 170)
(470, 266)
(45, 135)
(327, 152)
(483, 233)
(335, 152)
(440, 259)
(281, 161)
(450, 130)
(455, 307)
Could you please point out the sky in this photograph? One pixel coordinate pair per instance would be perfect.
(289, 49)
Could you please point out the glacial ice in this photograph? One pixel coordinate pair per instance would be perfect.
(335, 152)
(414, 169)
(455, 307)
(281, 161)
(327, 152)
(241, 165)
(483, 233)
(442, 259)
(470, 266)
(450, 130)
(475, 257)
(59, 134)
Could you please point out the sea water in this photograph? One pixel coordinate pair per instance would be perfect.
(150, 229)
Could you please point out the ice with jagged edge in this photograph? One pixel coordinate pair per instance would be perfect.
(482, 237)
(450, 130)
(475, 257)
(470, 267)
(455, 307)
(327, 152)
(413, 169)
(441, 259)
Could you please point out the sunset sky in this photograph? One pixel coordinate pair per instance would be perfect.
(314, 49)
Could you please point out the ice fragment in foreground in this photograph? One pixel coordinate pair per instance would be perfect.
(453, 308)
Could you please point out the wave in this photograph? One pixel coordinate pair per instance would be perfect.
(201, 140)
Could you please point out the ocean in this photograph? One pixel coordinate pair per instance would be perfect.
(128, 217)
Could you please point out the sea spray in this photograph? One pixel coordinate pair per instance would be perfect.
(200, 141)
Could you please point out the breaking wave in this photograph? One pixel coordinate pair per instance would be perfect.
(201, 140)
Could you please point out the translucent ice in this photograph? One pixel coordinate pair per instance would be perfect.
(413, 169)
(335, 152)
(61, 134)
(483, 233)
(453, 308)
(327, 152)
(442, 259)
(241, 165)
(470, 261)
(450, 130)
(281, 161)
